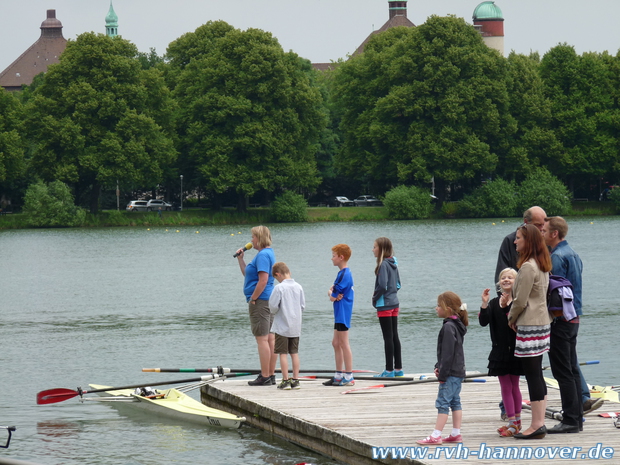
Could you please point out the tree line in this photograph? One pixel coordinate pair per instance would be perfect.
(239, 118)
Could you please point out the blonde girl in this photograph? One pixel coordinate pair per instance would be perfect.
(502, 362)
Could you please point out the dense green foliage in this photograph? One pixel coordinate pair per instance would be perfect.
(614, 196)
(289, 207)
(408, 203)
(51, 205)
(250, 115)
(98, 117)
(12, 163)
(492, 199)
(241, 120)
(545, 190)
(423, 102)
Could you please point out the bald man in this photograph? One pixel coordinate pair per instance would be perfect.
(507, 257)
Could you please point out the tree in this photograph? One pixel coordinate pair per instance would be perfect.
(12, 163)
(543, 189)
(289, 207)
(422, 102)
(496, 198)
(250, 115)
(98, 117)
(534, 144)
(51, 205)
(586, 118)
(408, 203)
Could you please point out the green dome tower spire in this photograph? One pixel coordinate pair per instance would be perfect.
(111, 22)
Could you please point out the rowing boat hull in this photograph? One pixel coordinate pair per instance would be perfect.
(177, 405)
(599, 392)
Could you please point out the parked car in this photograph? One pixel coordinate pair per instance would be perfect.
(340, 201)
(154, 205)
(367, 201)
(136, 206)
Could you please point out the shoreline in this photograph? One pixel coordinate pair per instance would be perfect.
(260, 215)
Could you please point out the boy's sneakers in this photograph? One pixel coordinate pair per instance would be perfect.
(261, 381)
(332, 382)
(430, 441)
(457, 438)
(386, 374)
(399, 373)
(346, 382)
(285, 384)
(294, 384)
(273, 379)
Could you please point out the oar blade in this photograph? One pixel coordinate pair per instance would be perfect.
(52, 396)
(363, 389)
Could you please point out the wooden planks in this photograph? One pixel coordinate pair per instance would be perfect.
(346, 427)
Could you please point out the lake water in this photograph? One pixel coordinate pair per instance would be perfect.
(84, 306)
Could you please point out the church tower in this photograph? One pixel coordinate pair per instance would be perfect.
(111, 22)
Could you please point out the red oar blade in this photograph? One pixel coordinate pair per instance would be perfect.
(364, 389)
(51, 396)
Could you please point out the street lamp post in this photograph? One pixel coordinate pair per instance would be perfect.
(181, 192)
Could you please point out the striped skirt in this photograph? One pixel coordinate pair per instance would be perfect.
(532, 341)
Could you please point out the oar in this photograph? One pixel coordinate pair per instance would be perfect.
(549, 413)
(419, 381)
(361, 378)
(232, 370)
(591, 362)
(52, 396)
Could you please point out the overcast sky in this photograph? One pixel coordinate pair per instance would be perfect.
(320, 30)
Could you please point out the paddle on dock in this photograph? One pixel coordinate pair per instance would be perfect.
(468, 378)
(222, 370)
(591, 362)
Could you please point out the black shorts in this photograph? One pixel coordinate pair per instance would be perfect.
(340, 327)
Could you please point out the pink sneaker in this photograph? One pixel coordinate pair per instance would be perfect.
(451, 438)
(430, 441)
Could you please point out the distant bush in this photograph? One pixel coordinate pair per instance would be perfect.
(51, 205)
(614, 196)
(408, 203)
(450, 209)
(545, 190)
(496, 198)
(290, 208)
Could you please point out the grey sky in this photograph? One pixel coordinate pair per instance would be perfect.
(320, 30)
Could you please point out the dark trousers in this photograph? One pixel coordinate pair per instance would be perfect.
(565, 369)
(391, 342)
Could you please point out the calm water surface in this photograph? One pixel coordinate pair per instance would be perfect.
(96, 306)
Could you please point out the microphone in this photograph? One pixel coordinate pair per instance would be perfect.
(247, 246)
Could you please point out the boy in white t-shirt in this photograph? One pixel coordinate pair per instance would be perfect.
(287, 302)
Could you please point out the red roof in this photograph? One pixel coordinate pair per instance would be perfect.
(38, 57)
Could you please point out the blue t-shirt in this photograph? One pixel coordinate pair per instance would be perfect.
(263, 261)
(343, 309)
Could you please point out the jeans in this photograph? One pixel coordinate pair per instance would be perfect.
(448, 396)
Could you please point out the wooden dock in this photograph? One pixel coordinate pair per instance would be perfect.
(347, 427)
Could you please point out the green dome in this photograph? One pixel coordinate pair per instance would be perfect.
(488, 10)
